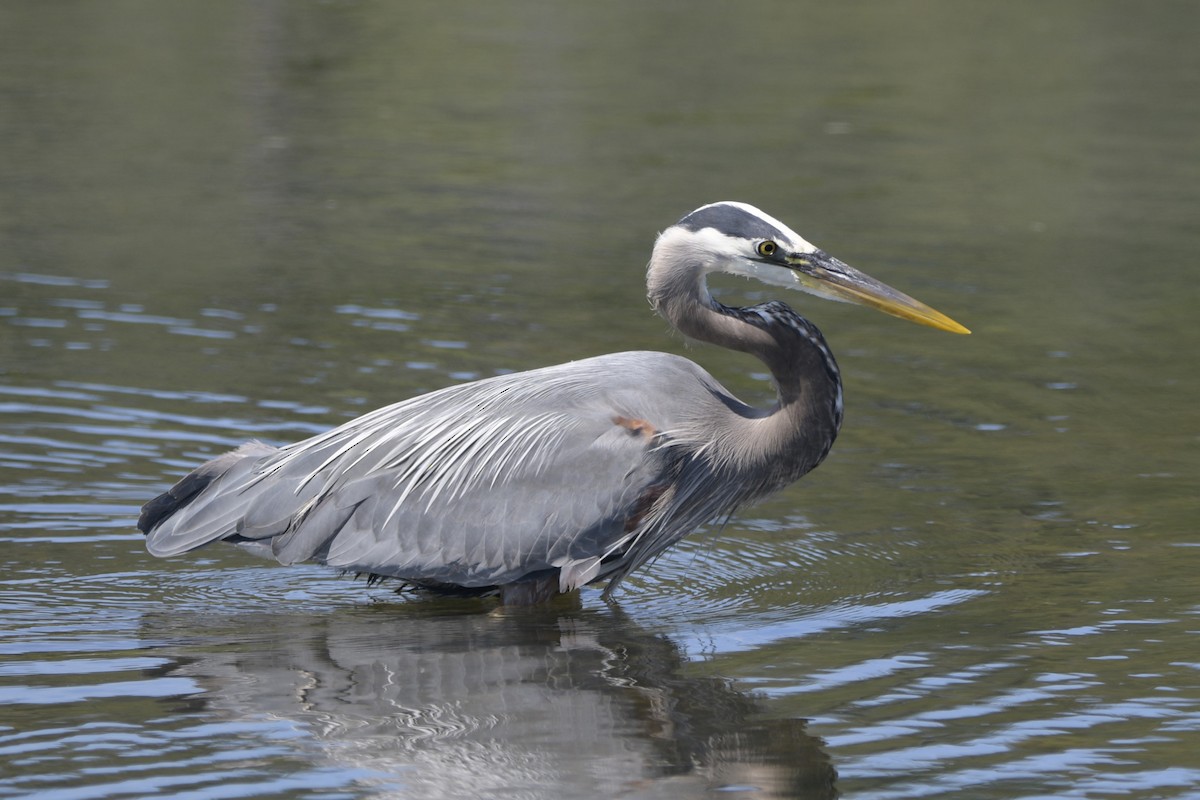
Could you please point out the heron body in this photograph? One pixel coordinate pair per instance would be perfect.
(540, 482)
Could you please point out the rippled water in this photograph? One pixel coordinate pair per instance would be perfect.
(233, 221)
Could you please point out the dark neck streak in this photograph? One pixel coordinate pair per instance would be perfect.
(788, 440)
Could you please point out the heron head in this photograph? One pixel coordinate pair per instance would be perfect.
(742, 240)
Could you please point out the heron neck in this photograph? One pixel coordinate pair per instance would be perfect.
(792, 437)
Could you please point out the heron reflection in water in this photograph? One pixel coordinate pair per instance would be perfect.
(438, 701)
(540, 482)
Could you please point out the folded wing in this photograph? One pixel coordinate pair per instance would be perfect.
(475, 485)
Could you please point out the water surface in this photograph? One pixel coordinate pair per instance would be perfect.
(233, 221)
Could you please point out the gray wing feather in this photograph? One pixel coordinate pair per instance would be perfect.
(476, 485)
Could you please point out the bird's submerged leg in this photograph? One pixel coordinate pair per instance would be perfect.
(533, 591)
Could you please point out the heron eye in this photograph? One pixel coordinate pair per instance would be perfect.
(767, 249)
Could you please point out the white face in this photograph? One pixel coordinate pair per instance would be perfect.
(734, 252)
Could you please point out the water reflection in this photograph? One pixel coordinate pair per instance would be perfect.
(448, 702)
(226, 221)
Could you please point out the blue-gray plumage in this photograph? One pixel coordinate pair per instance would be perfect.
(543, 481)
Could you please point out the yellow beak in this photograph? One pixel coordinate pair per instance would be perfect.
(823, 275)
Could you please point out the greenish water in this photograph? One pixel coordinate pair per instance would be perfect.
(221, 221)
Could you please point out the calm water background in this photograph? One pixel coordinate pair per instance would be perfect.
(230, 220)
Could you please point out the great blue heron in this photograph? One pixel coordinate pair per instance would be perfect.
(540, 482)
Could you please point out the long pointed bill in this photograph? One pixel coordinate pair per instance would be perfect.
(823, 275)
